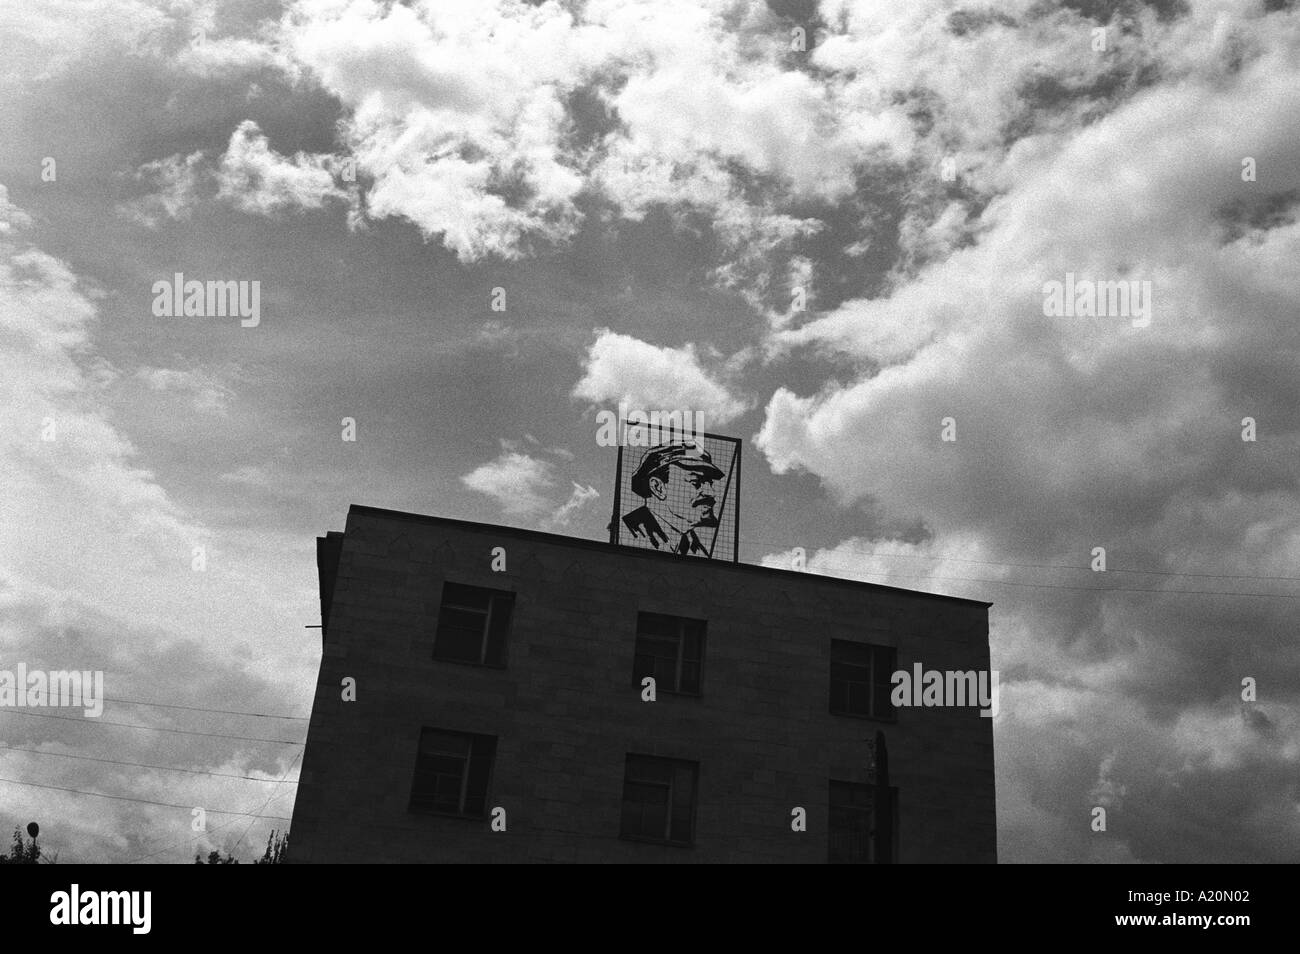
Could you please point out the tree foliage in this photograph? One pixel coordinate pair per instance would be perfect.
(277, 849)
(214, 858)
(21, 853)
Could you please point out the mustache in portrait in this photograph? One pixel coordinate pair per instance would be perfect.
(710, 519)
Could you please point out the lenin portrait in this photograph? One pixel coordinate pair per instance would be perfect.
(676, 483)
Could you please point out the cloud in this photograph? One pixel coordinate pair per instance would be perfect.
(918, 566)
(524, 486)
(496, 127)
(97, 573)
(249, 175)
(1209, 786)
(175, 189)
(579, 498)
(1078, 433)
(207, 392)
(968, 338)
(221, 57)
(455, 112)
(1107, 792)
(249, 475)
(12, 218)
(502, 129)
(53, 37)
(516, 481)
(257, 179)
(485, 124)
(47, 323)
(622, 368)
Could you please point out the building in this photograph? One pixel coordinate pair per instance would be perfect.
(482, 698)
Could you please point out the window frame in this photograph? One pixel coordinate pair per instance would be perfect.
(679, 660)
(474, 740)
(673, 766)
(495, 599)
(874, 682)
(874, 792)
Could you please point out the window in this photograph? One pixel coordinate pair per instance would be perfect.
(452, 771)
(672, 650)
(659, 800)
(472, 625)
(860, 679)
(860, 832)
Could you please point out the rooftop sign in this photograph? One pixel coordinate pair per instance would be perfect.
(676, 490)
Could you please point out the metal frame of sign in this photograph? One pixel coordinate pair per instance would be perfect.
(733, 477)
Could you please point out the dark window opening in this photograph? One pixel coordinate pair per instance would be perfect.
(671, 649)
(659, 800)
(861, 823)
(452, 772)
(861, 676)
(473, 623)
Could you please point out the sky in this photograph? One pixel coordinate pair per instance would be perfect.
(828, 227)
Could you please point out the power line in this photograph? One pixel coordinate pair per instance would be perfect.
(195, 838)
(1043, 566)
(1066, 586)
(129, 798)
(165, 768)
(240, 712)
(240, 841)
(151, 728)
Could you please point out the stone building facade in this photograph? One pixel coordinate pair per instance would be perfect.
(483, 697)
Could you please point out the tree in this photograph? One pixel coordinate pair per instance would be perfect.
(214, 858)
(23, 854)
(276, 849)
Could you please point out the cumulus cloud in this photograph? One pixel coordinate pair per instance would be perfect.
(622, 368)
(579, 498)
(1077, 433)
(207, 392)
(220, 57)
(455, 112)
(501, 129)
(1107, 792)
(968, 338)
(11, 217)
(96, 572)
(484, 124)
(47, 322)
(174, 184)
(516, 481)
(919, 566)
(249, 475)
(487, 124)
(526, 486)
(256, 179)
(53, 36)
(249, 175)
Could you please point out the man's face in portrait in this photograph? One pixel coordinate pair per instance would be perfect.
(686, 494)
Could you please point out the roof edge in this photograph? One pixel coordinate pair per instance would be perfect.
(561, 540)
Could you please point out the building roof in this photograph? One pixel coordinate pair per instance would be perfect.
(556, 539)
